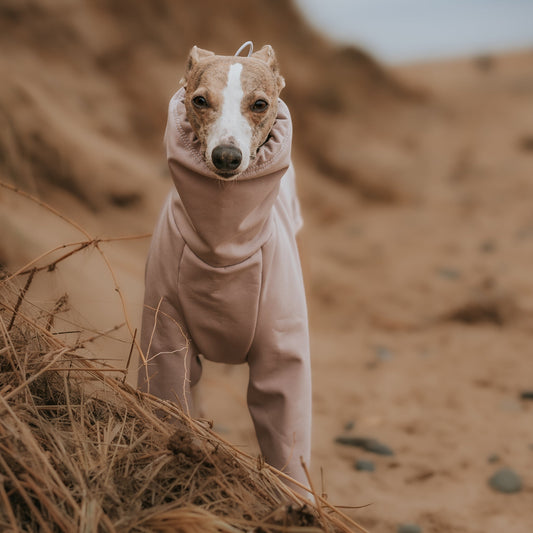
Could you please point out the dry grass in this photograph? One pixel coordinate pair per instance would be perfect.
(81, 450)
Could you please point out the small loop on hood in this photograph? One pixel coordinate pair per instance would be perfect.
(243, 46)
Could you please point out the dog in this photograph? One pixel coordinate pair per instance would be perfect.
(223, 275)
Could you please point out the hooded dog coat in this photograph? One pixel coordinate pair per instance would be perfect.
(223, 280)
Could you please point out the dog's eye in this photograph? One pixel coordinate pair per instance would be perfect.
(259, 106)
(200, 102)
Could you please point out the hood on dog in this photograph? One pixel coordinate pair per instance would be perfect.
(224, 222)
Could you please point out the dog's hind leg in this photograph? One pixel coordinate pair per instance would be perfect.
(279, 400)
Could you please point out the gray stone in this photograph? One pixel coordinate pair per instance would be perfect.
(409, 528)
(374, 446)
(506, 480)
(366, 443)
(383, 353)
(493, 458)
(364, 465)
(526, 395)
(449, 273)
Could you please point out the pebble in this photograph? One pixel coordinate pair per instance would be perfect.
(383, 353)
(349, 425)
(506, 480)
(374, 446)
(526, 395)
(409, 528)
(493, 458)
(364, 465)
(366, 443)
(449, 273)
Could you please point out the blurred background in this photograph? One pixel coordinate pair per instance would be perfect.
(401, 31)
(414, 153)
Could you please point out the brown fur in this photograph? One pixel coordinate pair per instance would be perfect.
(206, 75)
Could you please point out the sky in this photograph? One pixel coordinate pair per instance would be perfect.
(405, 31)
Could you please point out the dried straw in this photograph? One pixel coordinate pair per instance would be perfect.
(81, 450)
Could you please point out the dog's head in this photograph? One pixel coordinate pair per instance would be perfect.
(231, 103)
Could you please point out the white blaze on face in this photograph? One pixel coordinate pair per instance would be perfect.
(231, 126)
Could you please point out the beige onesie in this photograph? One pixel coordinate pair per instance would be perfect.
(223, 279)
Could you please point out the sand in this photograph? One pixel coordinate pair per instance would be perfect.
(418, 241)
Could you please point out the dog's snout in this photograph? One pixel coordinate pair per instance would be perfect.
(226, 157)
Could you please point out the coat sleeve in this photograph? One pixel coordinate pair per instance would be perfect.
(169, 363)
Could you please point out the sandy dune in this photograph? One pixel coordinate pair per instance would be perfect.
(416, 187)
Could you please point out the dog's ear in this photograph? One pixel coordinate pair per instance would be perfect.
(267, 55)
(195, 55)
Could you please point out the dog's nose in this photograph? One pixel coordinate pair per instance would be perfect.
(226, 157)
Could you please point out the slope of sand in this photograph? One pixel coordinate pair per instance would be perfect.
(421, 313)
(418, 243)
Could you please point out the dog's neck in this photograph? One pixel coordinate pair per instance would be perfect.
(224, 222)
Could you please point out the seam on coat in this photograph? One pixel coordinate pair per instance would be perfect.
(186, 326)
(259, 300)
(269, 237)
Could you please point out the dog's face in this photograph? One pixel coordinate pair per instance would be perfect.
(231, 103)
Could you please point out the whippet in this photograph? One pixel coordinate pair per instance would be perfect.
(223, 276)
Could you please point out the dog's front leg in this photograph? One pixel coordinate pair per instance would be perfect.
(171, 365)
